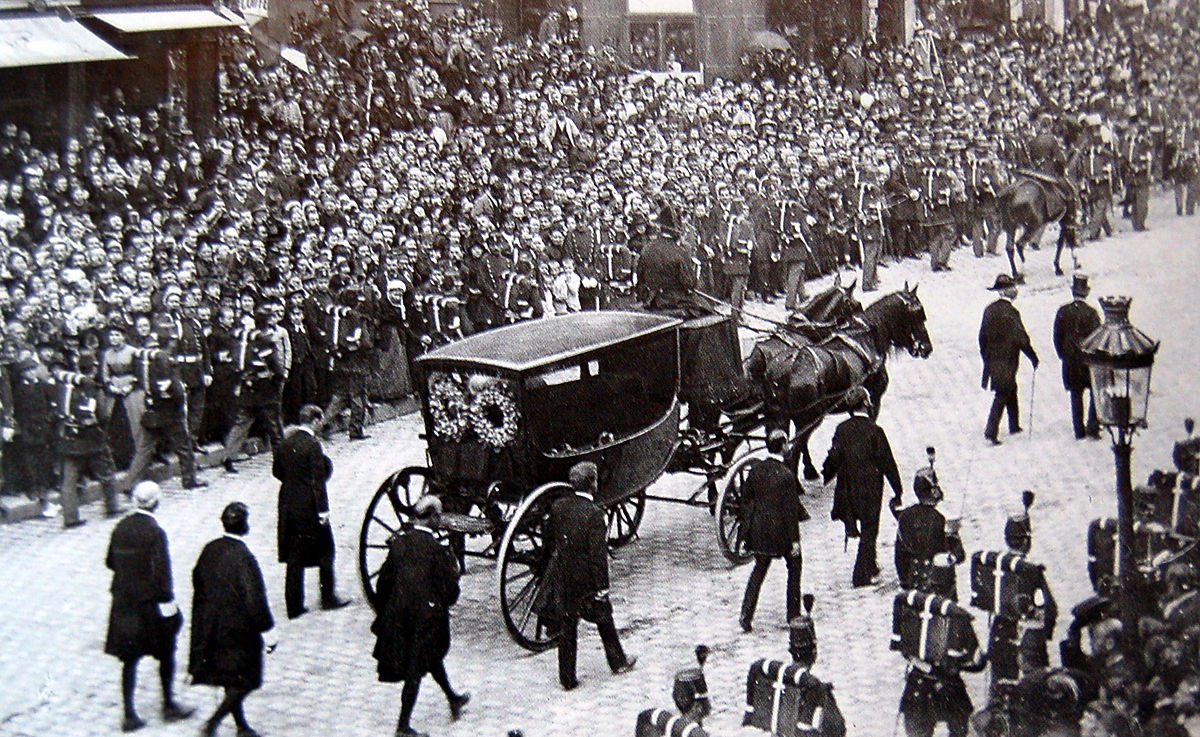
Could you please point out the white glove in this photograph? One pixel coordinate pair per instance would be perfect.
(7, 434)
(168, 609)
(323, 518)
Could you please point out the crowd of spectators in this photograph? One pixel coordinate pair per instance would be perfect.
(411, 139)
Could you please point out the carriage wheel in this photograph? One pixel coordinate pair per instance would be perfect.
(521, 566)
(729, 521)
(624, 518)
(389, 512)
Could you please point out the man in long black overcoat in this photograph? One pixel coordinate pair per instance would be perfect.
(304, 536)
(861, 458)
(418, 584)
(666, 274)
(1074, 322)
(229, 616)
(144, 619)
(576, 579)
(1002, 340)
(771, 500)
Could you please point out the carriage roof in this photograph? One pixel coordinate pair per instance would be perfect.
(525, 346)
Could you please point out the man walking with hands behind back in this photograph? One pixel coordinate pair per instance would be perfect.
(1074, 322)
(771, 498)
(576, 581)
(305, 538)
(861, 458)
(229, 616)
(144, 619)
(1002, 340)
(417, 585)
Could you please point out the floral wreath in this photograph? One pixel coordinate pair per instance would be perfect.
(448, 408)
(484, 409)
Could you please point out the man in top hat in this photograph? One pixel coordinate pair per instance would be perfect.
(576, 580)
(144, 619)
(1075, 321)
(1002, 340)
(771, 498)
(861, 458)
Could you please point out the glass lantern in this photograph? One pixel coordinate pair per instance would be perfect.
(1120, 358)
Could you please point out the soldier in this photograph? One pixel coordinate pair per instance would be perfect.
(942, 188)
(618, 274)
(183, 331)
(1021, 628)
(736, 246)
(32, 451)
(1140, 164)
(482, 283)
(83, 440)
(934, 691)
(519, 295)
(1074, 322)
(1182, 156)
(795, 252)
(1098, 169)
(165, 419)
(350, 342)
(221, 410)
(869, 229)
(904, 203)
(926, 544)
(983, 180)
(260, 374)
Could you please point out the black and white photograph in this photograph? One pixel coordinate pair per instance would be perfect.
(631, 368)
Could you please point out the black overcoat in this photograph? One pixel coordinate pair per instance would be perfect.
(666, 275)
(1002, 340)
(418, 584)
(861, 458)
(141, 566)
(771, 497)
(577, 537)
(229, 615)
(302, 469)
(1074, 322)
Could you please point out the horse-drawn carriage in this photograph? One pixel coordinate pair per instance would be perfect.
(507, 412)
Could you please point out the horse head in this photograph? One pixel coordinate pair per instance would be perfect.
(898, 321)
(918, 342)
(834, 305)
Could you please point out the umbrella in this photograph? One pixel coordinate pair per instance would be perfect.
(770, 40)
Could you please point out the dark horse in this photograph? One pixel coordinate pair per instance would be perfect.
(1029, 205)
(801, 381)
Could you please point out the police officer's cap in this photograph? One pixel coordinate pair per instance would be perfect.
(802, 634)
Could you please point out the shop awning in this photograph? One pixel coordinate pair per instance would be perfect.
(47, 39)
(661, 7)
(164, 18)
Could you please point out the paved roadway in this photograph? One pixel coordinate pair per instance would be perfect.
(672, 589)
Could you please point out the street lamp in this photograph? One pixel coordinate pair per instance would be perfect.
(1120, 358)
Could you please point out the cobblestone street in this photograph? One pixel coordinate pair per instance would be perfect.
(671, 587)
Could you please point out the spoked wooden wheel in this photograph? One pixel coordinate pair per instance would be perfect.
(389, 512)
(729, 513)
(521, 568)
(624, 518)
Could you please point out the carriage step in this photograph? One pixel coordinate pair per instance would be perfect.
(464, 524)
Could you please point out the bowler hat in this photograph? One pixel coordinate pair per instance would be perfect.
(1003, 281)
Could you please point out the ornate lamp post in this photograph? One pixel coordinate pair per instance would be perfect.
(1120, 358)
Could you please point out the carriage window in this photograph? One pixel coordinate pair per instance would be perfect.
(466, 406)
(625, 390)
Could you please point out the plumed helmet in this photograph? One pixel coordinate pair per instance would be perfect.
(802, 634)
(925, 484)
(691, 689)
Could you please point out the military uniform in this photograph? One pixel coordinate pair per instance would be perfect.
(260, 376)
(221, 408)
(869, 231)
(795, 253)
(350, 342)
(1098, 176)
(983, 180)
(617, 275)
(737, 246)
(165, 419)
(83, 443)
(191, 357)
(941, 187)
(1139, 163)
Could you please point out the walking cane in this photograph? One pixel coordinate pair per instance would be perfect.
(1032, 393)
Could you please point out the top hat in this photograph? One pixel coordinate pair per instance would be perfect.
(1003, 281)
(1079, 285)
